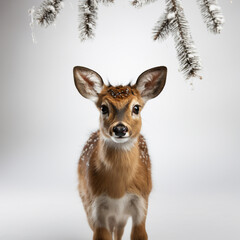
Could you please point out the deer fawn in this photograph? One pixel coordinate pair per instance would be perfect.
(114, 168)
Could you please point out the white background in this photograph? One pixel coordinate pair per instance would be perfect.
(193, 135)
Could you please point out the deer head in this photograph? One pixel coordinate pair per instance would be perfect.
(120, 107)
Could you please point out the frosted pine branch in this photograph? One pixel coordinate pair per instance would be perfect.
(187, 56)
(174, 21)
(140, 3)
(48, 11)
(87, 16)
(212, 15)
(164, 26)
(186, 51)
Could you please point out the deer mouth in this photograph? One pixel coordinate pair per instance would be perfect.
(120, 139)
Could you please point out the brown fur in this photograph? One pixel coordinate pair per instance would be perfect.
(125, 170)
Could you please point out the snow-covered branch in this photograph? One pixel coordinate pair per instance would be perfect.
(48, 11)
(87, 17)
(164, 26)
(174, 21)
(212, 15)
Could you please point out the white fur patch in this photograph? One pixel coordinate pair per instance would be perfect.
(120, 143)
(123, 139)
(111, 213)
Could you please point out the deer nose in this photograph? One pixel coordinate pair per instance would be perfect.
(120, 130)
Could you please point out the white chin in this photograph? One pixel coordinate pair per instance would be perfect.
(120, 140)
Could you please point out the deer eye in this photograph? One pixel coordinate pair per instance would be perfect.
(136, 109)
(104, 109)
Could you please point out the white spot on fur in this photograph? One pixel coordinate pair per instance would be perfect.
(89, 148)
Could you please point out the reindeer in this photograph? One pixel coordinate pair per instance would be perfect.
(114, 168)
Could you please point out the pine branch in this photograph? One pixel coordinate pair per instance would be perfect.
(186, 51)
(174, 21)
(212, 15)
(163, 26)
(48, 11)
(140, 3)
(87, 16)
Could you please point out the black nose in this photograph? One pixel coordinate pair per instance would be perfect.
(120, 130)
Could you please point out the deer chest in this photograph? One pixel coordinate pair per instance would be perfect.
(109, 212)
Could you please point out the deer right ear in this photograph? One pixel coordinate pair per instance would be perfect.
(88, 82)
(151, 82)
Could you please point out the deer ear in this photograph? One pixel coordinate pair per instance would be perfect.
(88, 82)
(151, 82)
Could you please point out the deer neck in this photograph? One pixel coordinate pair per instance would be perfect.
(121, 158)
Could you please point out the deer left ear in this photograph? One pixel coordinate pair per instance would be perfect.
(151, 82)
(88, 82)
